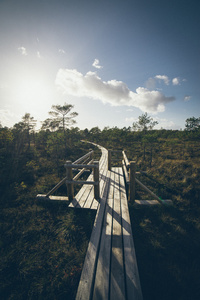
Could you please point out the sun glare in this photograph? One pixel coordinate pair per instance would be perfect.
(32, 93)
(29, 91)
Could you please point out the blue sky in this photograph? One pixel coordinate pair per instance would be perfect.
(112, 60)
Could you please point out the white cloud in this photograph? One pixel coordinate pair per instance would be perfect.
(176, 81)
(113, 92)
(96, 64)
(164, 78)
(150, 83)
(38, 55)
(3, 86)
(61, 51)
(22, 50)
(187, 98)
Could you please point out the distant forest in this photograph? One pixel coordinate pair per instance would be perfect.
(43, 244)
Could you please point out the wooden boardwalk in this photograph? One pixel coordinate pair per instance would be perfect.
(110, 268)
(85, 197)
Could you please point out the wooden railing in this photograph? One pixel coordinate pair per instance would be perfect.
(82, 164)
(70, 180)
(87, 162)
(129, 170)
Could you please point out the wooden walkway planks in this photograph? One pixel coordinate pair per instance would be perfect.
(133, 288)
(117, 276)
(89, 268)
(102, 277)
(85, 197)
(110, 268)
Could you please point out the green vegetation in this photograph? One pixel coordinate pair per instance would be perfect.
(43, 244)
(144, 123)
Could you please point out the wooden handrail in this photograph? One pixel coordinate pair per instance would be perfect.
(148, 190)
(83, 157)
(129, 174)
(70, 186)
(125, 159)
(80, 166)
(82, 171)
(75, 165)
(81, 182)
(131, 195)
(126, 175)
(71, 181)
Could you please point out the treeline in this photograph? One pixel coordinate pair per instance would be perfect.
(27, 155)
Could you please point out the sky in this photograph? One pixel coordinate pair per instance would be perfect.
(113, 60)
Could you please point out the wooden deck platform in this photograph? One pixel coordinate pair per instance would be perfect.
(85, 197)
(110, 268)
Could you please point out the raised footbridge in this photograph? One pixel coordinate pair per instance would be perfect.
(110, 268)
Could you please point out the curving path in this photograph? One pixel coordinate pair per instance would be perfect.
(110, 268)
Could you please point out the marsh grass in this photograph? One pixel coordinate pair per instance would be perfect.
(43, 249)
(167, 239)
(167, 249)
(43, 244)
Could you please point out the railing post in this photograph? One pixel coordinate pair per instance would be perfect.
(69, 175)
(92, 154)
(109, 159)
(96, 179)
(131, 196)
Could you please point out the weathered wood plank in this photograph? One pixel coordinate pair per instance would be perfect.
(101, 286)
(85, 197)
(152, 202)
(110, 267)
(90, 199)
(102, 182)
(89, 154)
(148, 190)
(131, 193)
(125, 172)
(103, 160)
(55, 198)
(80, 198)
(117, 279)
(88, 192)
(82, 171)
(75, 201)
(133, 288)
(85, 287)
(125, 159)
